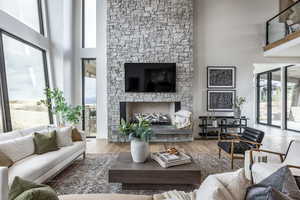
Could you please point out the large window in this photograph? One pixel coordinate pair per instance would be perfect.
(89, 23)
(26, 79)
(269, 98)
(27, 11)
(293, 98)
(89, 96)
(263, 98)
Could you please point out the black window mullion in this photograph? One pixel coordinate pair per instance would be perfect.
(269, 98)
(47, 85)
(40, 14)
(6, 118)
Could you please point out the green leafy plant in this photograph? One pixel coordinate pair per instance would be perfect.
(239, 101)
(57, 104)
(141, 130)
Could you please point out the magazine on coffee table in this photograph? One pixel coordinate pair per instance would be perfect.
(169, 160)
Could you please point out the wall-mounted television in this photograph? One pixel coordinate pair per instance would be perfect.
(150, 77)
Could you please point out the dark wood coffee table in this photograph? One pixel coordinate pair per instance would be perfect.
(150, 175)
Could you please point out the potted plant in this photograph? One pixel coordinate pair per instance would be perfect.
(57, 104)
(239, 101)
(139, 134)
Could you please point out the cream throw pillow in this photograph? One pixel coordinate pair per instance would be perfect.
(64, 136)
(213, 189)
(235, 182)
(19, 148)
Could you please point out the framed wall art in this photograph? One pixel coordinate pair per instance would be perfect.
(220, 100)
(221, 77)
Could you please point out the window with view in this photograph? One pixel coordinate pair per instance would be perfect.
(269, 98)
(293, 98)
(26, 11)
(89, 96)
(89, 23)
(26, 82)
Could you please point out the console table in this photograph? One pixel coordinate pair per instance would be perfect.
(225, 123)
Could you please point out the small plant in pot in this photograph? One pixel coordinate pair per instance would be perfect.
(139, 134)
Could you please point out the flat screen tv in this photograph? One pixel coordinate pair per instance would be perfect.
(150, 77)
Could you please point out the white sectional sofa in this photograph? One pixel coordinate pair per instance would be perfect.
(38, 168)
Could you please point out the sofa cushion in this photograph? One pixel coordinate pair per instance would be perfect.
(31, 131)
(26, 190)
(235, 182)
(64, 136)
(31, 168)
(10, 135)
(213, 189)
(44, 143)
(5, 161)
(19, 148)
(76, 136)
(104, 197)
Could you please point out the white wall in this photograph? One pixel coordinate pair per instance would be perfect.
(231, 32)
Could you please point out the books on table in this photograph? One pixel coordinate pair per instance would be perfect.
(168, 160)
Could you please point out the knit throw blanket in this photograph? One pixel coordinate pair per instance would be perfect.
(175, 195)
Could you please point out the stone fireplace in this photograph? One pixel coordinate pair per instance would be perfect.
(149, 31)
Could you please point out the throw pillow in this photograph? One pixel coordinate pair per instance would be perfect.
(76, 136)
(280, 185)
(64, 136)
(5, 161)
(26, 190)
(235, 182)
(213, 189)
(19, 148)
(45, 142)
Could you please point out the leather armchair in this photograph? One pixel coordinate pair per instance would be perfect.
(250, 139)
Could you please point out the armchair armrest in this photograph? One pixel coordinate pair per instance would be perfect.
(3, 183)
(266, 151)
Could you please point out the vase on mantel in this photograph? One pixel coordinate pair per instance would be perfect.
(139, 150)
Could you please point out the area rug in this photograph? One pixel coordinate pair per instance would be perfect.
(91, 175)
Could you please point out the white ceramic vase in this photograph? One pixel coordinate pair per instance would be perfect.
(139, 150)
(215, 123)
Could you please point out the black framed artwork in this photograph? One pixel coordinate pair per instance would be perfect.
(221, 77)
(220, 100)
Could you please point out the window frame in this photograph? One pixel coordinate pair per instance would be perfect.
(4, 100)
(269, 97)
(285, 99)
(83, 91)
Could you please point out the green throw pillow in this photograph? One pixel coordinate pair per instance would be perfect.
(26, 190)
(45, 142)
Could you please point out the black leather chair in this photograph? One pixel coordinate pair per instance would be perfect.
(250, 139)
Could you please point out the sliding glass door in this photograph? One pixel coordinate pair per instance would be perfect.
(276, 98)
(89, 96)
(269, 98)
(293, 98)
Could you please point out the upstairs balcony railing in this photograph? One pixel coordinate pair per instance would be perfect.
(286, 23)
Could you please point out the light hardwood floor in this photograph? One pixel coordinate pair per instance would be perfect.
(275, 140)
(101, 146)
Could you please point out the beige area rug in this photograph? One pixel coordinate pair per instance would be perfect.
(91, 175)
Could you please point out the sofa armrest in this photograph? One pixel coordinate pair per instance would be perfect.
(3, 183)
